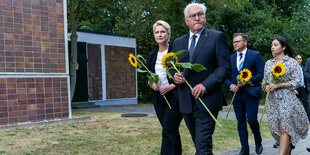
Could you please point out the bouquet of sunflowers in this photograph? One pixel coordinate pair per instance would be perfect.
(244, 78)
(139, 63)
(277, 76)
(170, 61)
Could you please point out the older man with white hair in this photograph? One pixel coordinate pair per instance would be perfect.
(208, 48)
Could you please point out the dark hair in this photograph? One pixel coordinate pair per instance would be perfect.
(243, 35)
(284, 43)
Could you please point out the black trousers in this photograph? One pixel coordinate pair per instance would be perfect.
(201, 127)
(303, 96)
(170, 120)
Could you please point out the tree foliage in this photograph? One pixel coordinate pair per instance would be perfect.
(261, 20)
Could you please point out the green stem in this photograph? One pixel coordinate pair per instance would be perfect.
(199, 97)
(264, 108)
(153, 79)
(231, 104)
(145, 68)
(167, 101)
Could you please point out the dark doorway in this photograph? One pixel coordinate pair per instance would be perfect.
(81, 87)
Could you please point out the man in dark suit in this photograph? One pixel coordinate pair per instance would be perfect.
(247, 96)
(302, 92)
(208, 48)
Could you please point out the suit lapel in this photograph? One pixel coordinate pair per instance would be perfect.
(202, 39)
(246, 58)
(184, 56)
(154, 57)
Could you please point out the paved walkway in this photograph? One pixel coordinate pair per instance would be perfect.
(267, 144)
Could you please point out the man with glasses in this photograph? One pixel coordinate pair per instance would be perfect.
(208, 48)
(247, 96)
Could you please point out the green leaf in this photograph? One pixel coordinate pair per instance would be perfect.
(198, 67)
(140, 57)
(265, 84)
(184, 65)
(141, 70)
(156, 78)
(179, 52)
(151, 81)
(169, 75)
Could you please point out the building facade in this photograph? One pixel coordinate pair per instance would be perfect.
(34, 78)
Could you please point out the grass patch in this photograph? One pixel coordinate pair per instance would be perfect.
(108, 133)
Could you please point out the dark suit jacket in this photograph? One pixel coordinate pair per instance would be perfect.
(307, 75)
(255, 63)
(212, 52)
(151, 66)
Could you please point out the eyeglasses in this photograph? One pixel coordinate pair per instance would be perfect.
(192, 17)
(236, 42)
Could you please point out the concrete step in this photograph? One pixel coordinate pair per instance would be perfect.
(83, 105)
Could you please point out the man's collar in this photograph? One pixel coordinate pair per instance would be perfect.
(197, 34)
(243, 52)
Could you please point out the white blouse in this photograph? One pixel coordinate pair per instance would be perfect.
(159, 70)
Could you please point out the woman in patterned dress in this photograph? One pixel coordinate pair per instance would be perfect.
(287, 119)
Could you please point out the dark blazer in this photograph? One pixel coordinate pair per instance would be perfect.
(307, 75)
(212, 52)
(151, 66)
(255, 63)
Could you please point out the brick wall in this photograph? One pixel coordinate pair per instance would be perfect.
(33, 79)
(94, 71)
(32, 36)
(120, 75)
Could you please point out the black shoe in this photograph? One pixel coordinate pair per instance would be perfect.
(308, 149)
(259, 149)
(243, 153)
(276, 145)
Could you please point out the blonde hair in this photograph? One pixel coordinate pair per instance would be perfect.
(165, 25)
(202, 6)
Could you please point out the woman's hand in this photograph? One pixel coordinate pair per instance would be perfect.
(272, 86)
(155, 87)
(165, 89)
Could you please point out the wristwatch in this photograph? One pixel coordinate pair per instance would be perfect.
(282, 84)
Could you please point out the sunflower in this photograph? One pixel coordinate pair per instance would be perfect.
(133, 61)
(278, 70)
(245, 75)
(167, 59)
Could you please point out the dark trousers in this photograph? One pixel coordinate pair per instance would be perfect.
(303, 96)
(201, 127)
(170, 120)
(246, 108)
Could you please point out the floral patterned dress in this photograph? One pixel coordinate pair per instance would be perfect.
(283, 105)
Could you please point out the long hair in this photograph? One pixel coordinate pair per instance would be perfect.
(284, 43)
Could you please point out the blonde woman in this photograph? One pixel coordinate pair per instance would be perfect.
(169, 118)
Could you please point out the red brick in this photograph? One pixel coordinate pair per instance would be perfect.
(23, 119)
(4, 121)
(13, 120)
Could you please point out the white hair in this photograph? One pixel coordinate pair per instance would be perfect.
(202, 6)
(165, 25)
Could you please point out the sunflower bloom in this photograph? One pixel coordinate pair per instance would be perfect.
(278, 70)
(167, 59)
(133, 61)
(277, 75)
(245, 75)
